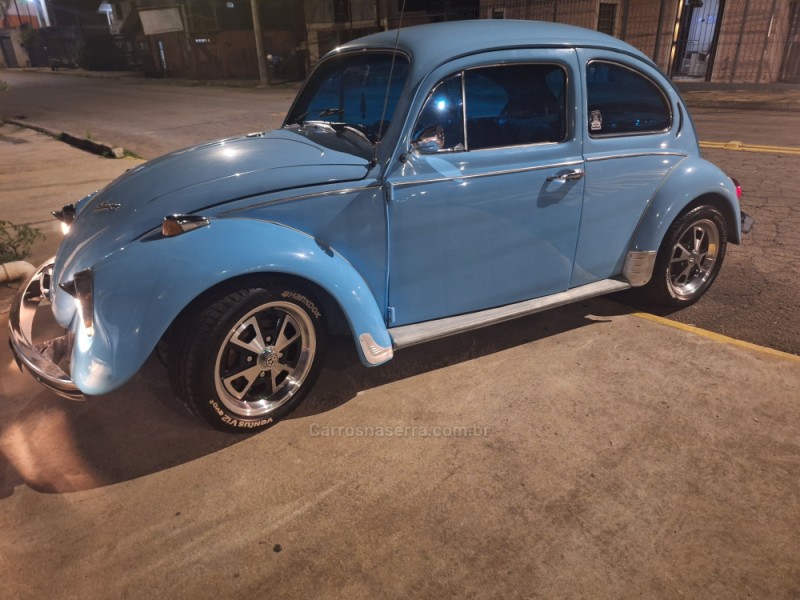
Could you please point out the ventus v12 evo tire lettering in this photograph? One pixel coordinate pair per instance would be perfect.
(243, 359)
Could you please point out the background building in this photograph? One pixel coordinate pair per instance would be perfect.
(742, 41)
(737, 41)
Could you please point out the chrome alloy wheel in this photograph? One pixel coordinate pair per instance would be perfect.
(264, 359)
(693, 258)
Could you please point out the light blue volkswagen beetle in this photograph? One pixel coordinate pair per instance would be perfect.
(423, 184)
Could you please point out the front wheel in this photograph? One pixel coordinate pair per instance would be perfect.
(245, 359)
(690, 257)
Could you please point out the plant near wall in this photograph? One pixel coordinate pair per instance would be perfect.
(16, 241)
(28, 37)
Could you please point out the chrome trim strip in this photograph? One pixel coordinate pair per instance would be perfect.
(463, 109)
(638, 269)
(374, 353)
(491, 174)
(299, 197)
(635, 155)
(20, 323)
(409, 335)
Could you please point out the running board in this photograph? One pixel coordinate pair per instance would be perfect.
(409, 335)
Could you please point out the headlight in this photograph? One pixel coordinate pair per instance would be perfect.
(81, 288)
(66, 215)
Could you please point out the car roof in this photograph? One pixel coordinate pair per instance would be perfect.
(435, 43)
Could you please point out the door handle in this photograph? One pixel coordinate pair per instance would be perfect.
(572, 175)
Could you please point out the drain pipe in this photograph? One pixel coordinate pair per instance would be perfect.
(18, 269)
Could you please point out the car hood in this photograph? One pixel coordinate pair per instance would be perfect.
(196, 179)
(191, 179)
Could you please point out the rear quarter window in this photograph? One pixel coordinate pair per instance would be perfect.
(622, 101)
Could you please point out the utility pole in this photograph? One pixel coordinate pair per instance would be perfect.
(262, 59)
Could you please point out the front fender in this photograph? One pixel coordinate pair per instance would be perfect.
(691, 179)
(141, 288)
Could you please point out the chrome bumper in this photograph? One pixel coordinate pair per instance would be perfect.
(39, 359)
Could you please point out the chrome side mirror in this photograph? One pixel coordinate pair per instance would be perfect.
(430, 141)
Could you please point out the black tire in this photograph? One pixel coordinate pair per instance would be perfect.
(689, 258)
(242, 360)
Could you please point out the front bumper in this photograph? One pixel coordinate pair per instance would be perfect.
(40, 359)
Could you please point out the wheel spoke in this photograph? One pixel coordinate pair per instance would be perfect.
(685, 254)
(251, 374)
(283, 341)
(276, 372)
(256, 344)
(683, 277)
(699, 237)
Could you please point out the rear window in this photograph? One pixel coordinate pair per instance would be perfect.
(622, 101)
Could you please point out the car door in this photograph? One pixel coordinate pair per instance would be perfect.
(490, 217)
(631, 124)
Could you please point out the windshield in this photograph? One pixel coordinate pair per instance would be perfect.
(351, 90)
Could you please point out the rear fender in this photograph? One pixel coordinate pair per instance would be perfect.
(141, 288)
(693, 181)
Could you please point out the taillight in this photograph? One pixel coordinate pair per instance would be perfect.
(738, 188)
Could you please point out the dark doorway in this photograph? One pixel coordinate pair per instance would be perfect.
(697, 39)
(8, 52)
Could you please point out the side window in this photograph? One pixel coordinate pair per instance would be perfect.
(511, 105)
(624, 102)
(515, 105)
(445, 108)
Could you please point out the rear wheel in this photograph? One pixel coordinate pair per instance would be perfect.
(245, 359)
(690, 257)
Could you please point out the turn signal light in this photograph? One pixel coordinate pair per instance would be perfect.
(177, 224)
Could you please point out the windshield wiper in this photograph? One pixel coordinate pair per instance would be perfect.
(359, 130)
(323, 112)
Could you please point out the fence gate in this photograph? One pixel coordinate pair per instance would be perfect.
(790, 70)
(697, 39)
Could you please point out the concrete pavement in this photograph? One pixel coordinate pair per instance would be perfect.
(583, 452)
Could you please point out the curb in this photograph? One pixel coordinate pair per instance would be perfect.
(93, 146)
(741, 105)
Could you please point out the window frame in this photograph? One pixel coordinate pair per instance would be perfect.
(462, 72)
(647, 77)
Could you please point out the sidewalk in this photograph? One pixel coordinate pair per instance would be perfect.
(741, 96)
(140, 77)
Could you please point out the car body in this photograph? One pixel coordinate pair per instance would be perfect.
(424, 183)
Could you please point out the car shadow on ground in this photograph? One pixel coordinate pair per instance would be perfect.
(56, 446)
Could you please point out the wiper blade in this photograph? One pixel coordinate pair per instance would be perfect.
(323, 112)
(357, 129)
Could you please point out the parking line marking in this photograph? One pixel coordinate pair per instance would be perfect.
(718, 337)
(741, 146)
